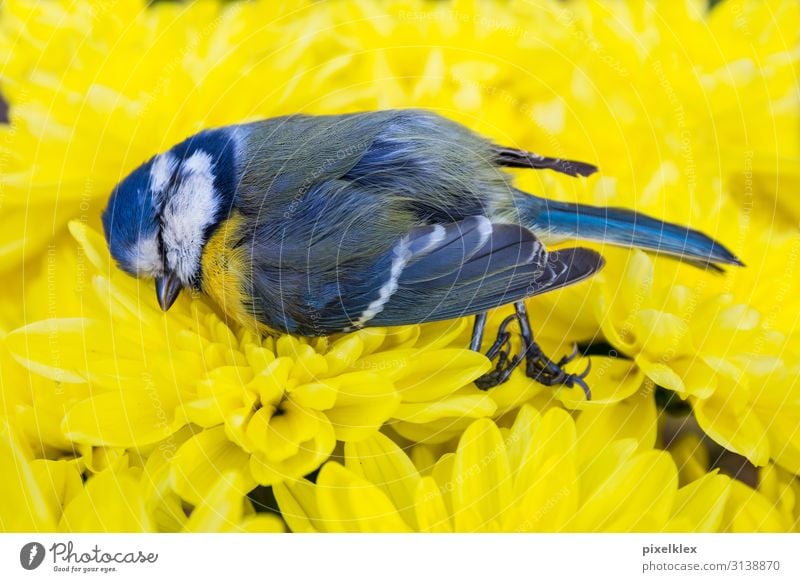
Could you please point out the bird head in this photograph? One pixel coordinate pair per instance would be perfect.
(159, 217)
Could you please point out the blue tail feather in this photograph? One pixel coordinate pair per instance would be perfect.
(623, 227)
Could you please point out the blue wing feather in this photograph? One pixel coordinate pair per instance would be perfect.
(496, 264)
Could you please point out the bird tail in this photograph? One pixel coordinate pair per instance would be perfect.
(622, 227)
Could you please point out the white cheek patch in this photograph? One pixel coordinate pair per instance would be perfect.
(145, 257)
(161, 172)
(187, 213)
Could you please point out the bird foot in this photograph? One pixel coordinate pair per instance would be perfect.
(537, 365)
(545, 371)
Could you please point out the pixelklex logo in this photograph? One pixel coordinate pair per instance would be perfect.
(31, 555)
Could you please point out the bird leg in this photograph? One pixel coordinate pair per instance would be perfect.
(537, 365)
(477, 332)
(500, 349)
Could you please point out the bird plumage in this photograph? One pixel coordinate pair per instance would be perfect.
(320, 224)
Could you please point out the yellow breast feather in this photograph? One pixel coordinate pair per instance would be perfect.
(226, 272)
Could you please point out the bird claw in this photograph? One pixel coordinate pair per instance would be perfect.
(579, 380)
(567, 359)
(548, 373)
(538, 366)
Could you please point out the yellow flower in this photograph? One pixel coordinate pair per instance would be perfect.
(33, 491)
(270, 408)
(542, 474)
(46, 495)
(772, 507)
(740, 376)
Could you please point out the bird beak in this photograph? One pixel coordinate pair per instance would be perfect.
(167, 289)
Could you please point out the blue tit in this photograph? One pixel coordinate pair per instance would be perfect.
(313, 225)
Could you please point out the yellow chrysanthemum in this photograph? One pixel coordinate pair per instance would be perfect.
(542, 474)
(271, 408)
(46, 495)
(741, 377)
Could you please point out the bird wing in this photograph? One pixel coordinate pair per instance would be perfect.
(445, 271)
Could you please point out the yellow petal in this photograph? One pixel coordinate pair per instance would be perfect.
(617, 313)
(273, 380)
(698, 378)
(661, 374)
(349, 503)
(25, 506)
(93, 245)
(298, 504)
(610, 380)
(221, 508)
(435, 432)
(258, 358)
(287, 431)
(431, 513)
(435, 336)
(783, 489)
(308, 366)
(615, 506)
(470, 406)
(372, 337)
(380, 461)
(98, 459)
(59, 481)
(310, 455)
(596, 468)
(749, 511)
(262, 523)
(636, 417)
(546, 489)
(110, 502)
(317, 395)
(363, 403)
(437, 373)
(521, 435)
(785, 436)
(690, 455)
(390, 364)
(121, 419)
(401, 337)
(735, 428)
(258, 432)
(163, 504)
(701, 504)
(201, 460)
(482, 478)
(56, 348)
(207, 412)
(662, 333)
(343, 353)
